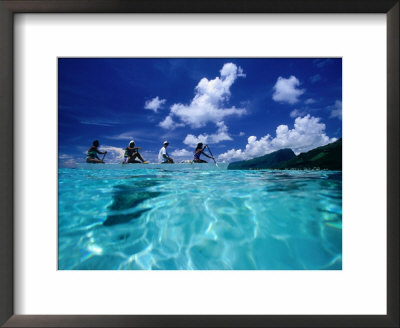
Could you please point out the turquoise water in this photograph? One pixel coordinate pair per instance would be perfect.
(203, 220)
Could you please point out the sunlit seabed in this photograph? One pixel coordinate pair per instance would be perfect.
(214, 220)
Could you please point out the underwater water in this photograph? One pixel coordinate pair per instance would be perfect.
(155, 219)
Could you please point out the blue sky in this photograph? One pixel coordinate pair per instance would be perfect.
(241, 107)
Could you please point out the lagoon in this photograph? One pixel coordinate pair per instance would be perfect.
(160, 219)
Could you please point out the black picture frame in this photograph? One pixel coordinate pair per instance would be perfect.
(10, 7)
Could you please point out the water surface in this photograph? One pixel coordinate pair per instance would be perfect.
(113, 219)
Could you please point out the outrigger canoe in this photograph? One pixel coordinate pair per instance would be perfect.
(139, 166)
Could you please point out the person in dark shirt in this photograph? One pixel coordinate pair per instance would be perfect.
(131, 153)
(200, 150)
(91, 156)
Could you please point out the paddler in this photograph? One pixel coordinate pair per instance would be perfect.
(131, 153)
(163, 156)
(200, 150)
(91, 156)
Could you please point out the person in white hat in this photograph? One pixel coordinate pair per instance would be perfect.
(131, 153)
(163, 156)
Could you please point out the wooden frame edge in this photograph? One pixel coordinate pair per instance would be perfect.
(9, 7)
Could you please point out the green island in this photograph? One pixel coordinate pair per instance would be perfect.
(328, 157)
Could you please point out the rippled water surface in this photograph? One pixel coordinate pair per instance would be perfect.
(190, 219)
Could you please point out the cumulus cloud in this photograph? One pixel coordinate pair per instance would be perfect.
(287, 90)
(180, 154)
(169, 124)
(154, 104)
(114, 154)
(336, 110)
(308, 133)
(220, 135)
(208, 102)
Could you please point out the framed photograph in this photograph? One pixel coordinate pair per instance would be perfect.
(172, 191)
(185, 161)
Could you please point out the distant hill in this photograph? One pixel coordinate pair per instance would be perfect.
(268, 161)
(326, 157)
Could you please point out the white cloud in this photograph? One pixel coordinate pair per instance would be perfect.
(286, 90)
(192, 140)
(336, 110)
(220, 135)
(139, 134)
(66, 161)
(240, 72)
(241, 134)
(114, 154)
(232, 155)
(122, 136)
(207, 104)
(296, 113)
(169, 123)
(149, 155)
(308, 133)
(182, 153)
(310, 101)
(154, 104)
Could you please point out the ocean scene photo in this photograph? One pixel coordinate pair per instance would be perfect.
(199, 164)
